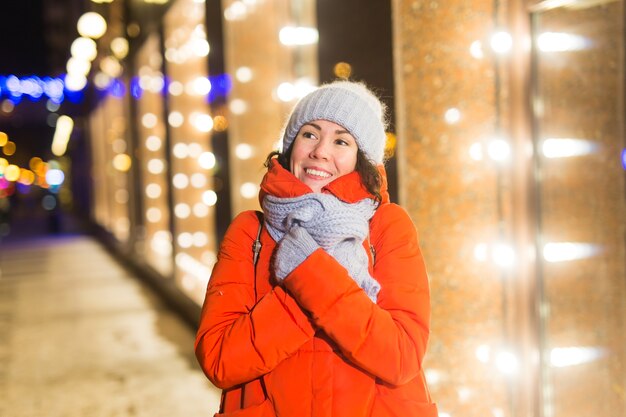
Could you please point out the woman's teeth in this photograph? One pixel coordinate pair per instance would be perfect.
(317, 173)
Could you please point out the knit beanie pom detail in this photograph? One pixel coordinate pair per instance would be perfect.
(349, 104)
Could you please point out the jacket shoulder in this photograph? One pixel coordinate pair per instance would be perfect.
(241, 232)
(391, 215)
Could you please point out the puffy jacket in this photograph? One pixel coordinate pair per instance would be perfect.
(316, 345)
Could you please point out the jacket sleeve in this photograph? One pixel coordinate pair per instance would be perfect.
(239, 339)
(387, 339)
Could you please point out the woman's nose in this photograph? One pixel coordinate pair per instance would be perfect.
(320, 151)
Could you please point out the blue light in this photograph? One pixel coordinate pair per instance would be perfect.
(75, 96)
(53, 87)
(13, 84)
(33, 87)
(624, 158)
(220, 86)
(117, 88)
(135, 89)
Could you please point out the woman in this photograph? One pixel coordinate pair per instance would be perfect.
(321, 325)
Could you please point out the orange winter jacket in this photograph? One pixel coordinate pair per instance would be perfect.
(316, 345)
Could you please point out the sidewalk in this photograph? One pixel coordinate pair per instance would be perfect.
(80, 337)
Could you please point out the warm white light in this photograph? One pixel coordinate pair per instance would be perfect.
(206, 160)
(149, 120)
(200, 86)
(243, 151)
(176, 88)
(156, 166)
(561, 42)
(569, 251)
(111, 66)
(483, 353)
(202, 121)
(191, 266)
(119, 47)
(194, 149)
(119, 145)
(75, 82)
(565, 147)
(185, 240)
(464, 394)
(62, 133)
(501, 42)
(236, 11)
(561, 357)
(201, 210)
(200, 239)
(102, 80)
(91, 25)
(476, 152)
(78, 66)
(84, 48)
(153, 190)
(291, 36)
(286, 92)
(481, 252)
(248, 190)
(180, 181)
(182, 210)
(200, 47)
(499, 150)
(198, 180)
(452, 116)
(180, 150)
(238, 106)
(153, 215)
(476, 50)
(243, 74)
(161, 243)
(433, 376)
(153, 143)
(122, 162)
(507, 362)
(176, 119)
(156, 83)
(503, 255)
(209, 197)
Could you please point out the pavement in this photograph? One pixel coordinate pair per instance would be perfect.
(80, 336)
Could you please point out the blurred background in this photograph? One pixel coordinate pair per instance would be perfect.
(139, 128)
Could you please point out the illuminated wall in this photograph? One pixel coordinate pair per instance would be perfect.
(156, 243)
(270, 70)
(579, 117)
(520, 209)
(189, 126)
(111, 164)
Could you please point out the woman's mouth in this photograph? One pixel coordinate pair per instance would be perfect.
(317, 173)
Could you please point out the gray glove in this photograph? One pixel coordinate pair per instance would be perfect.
(293, 249)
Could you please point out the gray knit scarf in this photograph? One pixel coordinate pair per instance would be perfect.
(338, 227)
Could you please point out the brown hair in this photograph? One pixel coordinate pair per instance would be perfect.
(370, 176)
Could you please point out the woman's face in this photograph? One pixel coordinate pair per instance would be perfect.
(322, 152)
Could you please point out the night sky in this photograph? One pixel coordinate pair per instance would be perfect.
(22, 45)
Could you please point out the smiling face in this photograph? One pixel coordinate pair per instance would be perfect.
(322, 152)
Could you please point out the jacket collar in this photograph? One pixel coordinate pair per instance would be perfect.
(281, 183)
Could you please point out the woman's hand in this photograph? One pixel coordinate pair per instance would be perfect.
(293, 249)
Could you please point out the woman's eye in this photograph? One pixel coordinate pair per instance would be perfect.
(341, 142)
(308, 135)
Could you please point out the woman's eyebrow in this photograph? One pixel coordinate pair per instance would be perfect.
(313, 125)
(338, 131)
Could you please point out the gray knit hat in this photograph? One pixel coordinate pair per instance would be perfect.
(349, 104)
